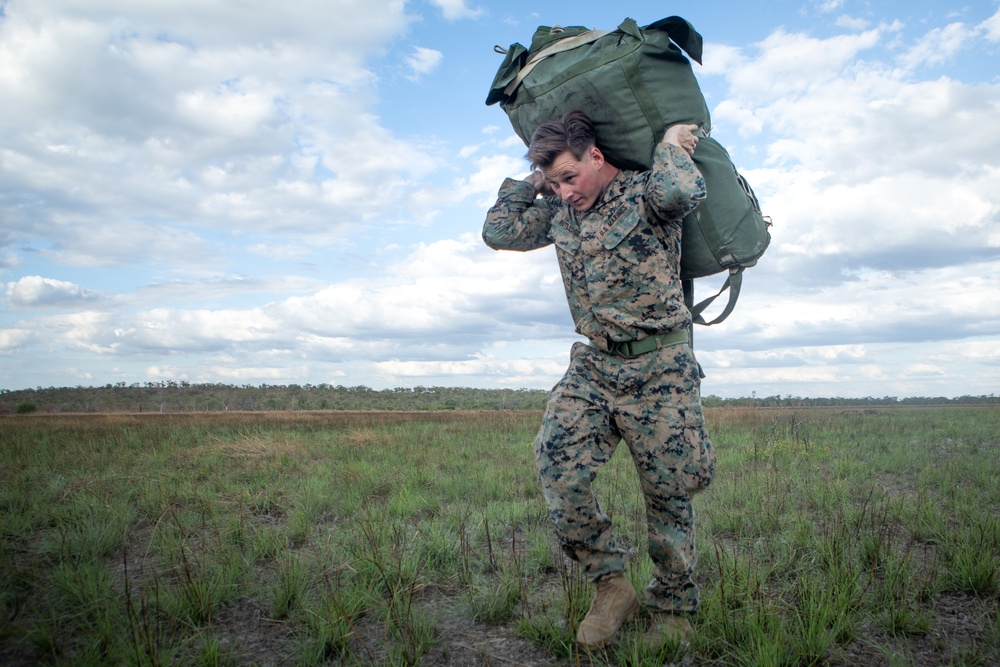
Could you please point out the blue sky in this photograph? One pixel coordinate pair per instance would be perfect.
(293, 192)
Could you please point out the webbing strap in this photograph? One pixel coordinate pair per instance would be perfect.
(654, 119)
(734, 282)
(566, 44)
(633, 348)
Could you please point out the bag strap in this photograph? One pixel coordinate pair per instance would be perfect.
(733, 282)
(682, 34)
(651, 112)
(566, 44)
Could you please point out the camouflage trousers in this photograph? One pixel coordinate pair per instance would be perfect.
(653, 403)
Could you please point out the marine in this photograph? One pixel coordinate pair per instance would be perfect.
(617, 235)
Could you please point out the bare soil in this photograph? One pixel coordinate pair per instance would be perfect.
(958, 635)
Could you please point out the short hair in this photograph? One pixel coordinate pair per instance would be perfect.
(573, 132)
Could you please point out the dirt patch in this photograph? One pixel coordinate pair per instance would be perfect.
(244, 629)
(464, 642)
(959, 633)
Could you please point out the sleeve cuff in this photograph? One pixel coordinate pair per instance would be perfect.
(517, 191)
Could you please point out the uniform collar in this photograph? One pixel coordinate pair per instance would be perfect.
(612, 191)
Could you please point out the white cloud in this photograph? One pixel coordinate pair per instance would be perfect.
(517, 372)
(469, 151)
(869, 168)
(239, 109)
(923, 371)
(970, 351)
(937, 46)
(82, 242)
(882, 370)
(787, 64)
(871, 307)
(482, 184)
(9, 259)
(283, 251)
(423, 61)
(818, 216)
(456, 9)
(443, 297)
(217, 22)
(454, 285)
(991, 27)
(39, 292)
(183, 330)
(193, 112)
(747, 123)
(852, 23)
(513, 141)
(214, 289)
(12, 339)
(276, 374)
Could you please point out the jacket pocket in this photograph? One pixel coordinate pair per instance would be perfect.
(623, 221)
(563, 238)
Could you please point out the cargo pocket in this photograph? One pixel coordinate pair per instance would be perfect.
(699, 464)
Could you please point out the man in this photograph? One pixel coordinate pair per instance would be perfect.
(618, 240)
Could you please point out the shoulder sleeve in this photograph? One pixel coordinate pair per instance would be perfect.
(674, 186)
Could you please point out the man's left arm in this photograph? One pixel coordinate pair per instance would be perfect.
(675, 187)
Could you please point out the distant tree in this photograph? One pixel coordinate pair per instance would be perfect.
(711, 401)
(26, 407)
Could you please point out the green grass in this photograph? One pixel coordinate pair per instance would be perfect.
(828, 538)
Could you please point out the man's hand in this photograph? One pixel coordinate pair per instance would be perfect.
(682, 136)
(538, 182)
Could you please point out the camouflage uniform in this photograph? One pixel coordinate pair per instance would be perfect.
(620, 264)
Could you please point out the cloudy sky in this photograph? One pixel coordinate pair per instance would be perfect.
(293, 192)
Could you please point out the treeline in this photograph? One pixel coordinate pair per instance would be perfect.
(170, 396)
(866, 402)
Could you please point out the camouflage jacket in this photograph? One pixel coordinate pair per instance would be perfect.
(620, 261)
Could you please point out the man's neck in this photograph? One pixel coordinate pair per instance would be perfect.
(608, 173)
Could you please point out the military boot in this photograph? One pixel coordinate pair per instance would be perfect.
(667, 628)
(614, 603)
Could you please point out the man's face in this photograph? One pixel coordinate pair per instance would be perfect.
(577, 182)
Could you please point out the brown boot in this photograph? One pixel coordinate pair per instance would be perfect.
(668, 628)
(614, 603)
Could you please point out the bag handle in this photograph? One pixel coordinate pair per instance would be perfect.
(566, 44)
(734, 282)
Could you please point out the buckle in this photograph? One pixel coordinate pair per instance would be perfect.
(622, 348)
(633, 348)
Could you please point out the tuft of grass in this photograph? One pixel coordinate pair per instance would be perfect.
(497, 600)
(971, 554)
(294, 581)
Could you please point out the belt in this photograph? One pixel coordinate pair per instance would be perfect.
(633, 348)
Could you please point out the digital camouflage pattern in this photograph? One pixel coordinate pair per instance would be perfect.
(620, 264)
(620, 261)
(652, 402)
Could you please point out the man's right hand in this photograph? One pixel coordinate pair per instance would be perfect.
(682, 136)
(537, 181)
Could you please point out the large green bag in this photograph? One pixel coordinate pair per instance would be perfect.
(633, 83)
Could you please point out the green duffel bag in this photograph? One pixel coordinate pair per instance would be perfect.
(634, 83)
(726, 232)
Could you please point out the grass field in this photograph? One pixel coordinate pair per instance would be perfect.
(829, 537)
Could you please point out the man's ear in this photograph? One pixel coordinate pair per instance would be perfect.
(596, 156)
